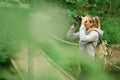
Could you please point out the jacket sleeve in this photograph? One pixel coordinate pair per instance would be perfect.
(92, 36)
(71, 33)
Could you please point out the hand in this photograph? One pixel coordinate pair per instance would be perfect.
(84, 19)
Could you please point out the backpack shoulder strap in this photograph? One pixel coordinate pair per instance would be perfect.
(100, 38)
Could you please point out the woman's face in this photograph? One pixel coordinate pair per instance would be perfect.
(88, 23)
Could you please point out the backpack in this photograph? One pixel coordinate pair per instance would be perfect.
(102, 50)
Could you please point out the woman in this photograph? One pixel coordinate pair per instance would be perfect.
(88, 34)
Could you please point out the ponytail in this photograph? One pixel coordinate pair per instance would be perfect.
(96, 22)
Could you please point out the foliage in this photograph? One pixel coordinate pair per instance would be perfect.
(12, 31)
(65, 55)
(51, 18)
(111, 30)
(106, 10)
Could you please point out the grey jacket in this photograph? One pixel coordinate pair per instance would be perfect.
(87, 39)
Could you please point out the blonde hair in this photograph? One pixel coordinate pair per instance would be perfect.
(96, 22)
(90, 16)
(91, 19)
